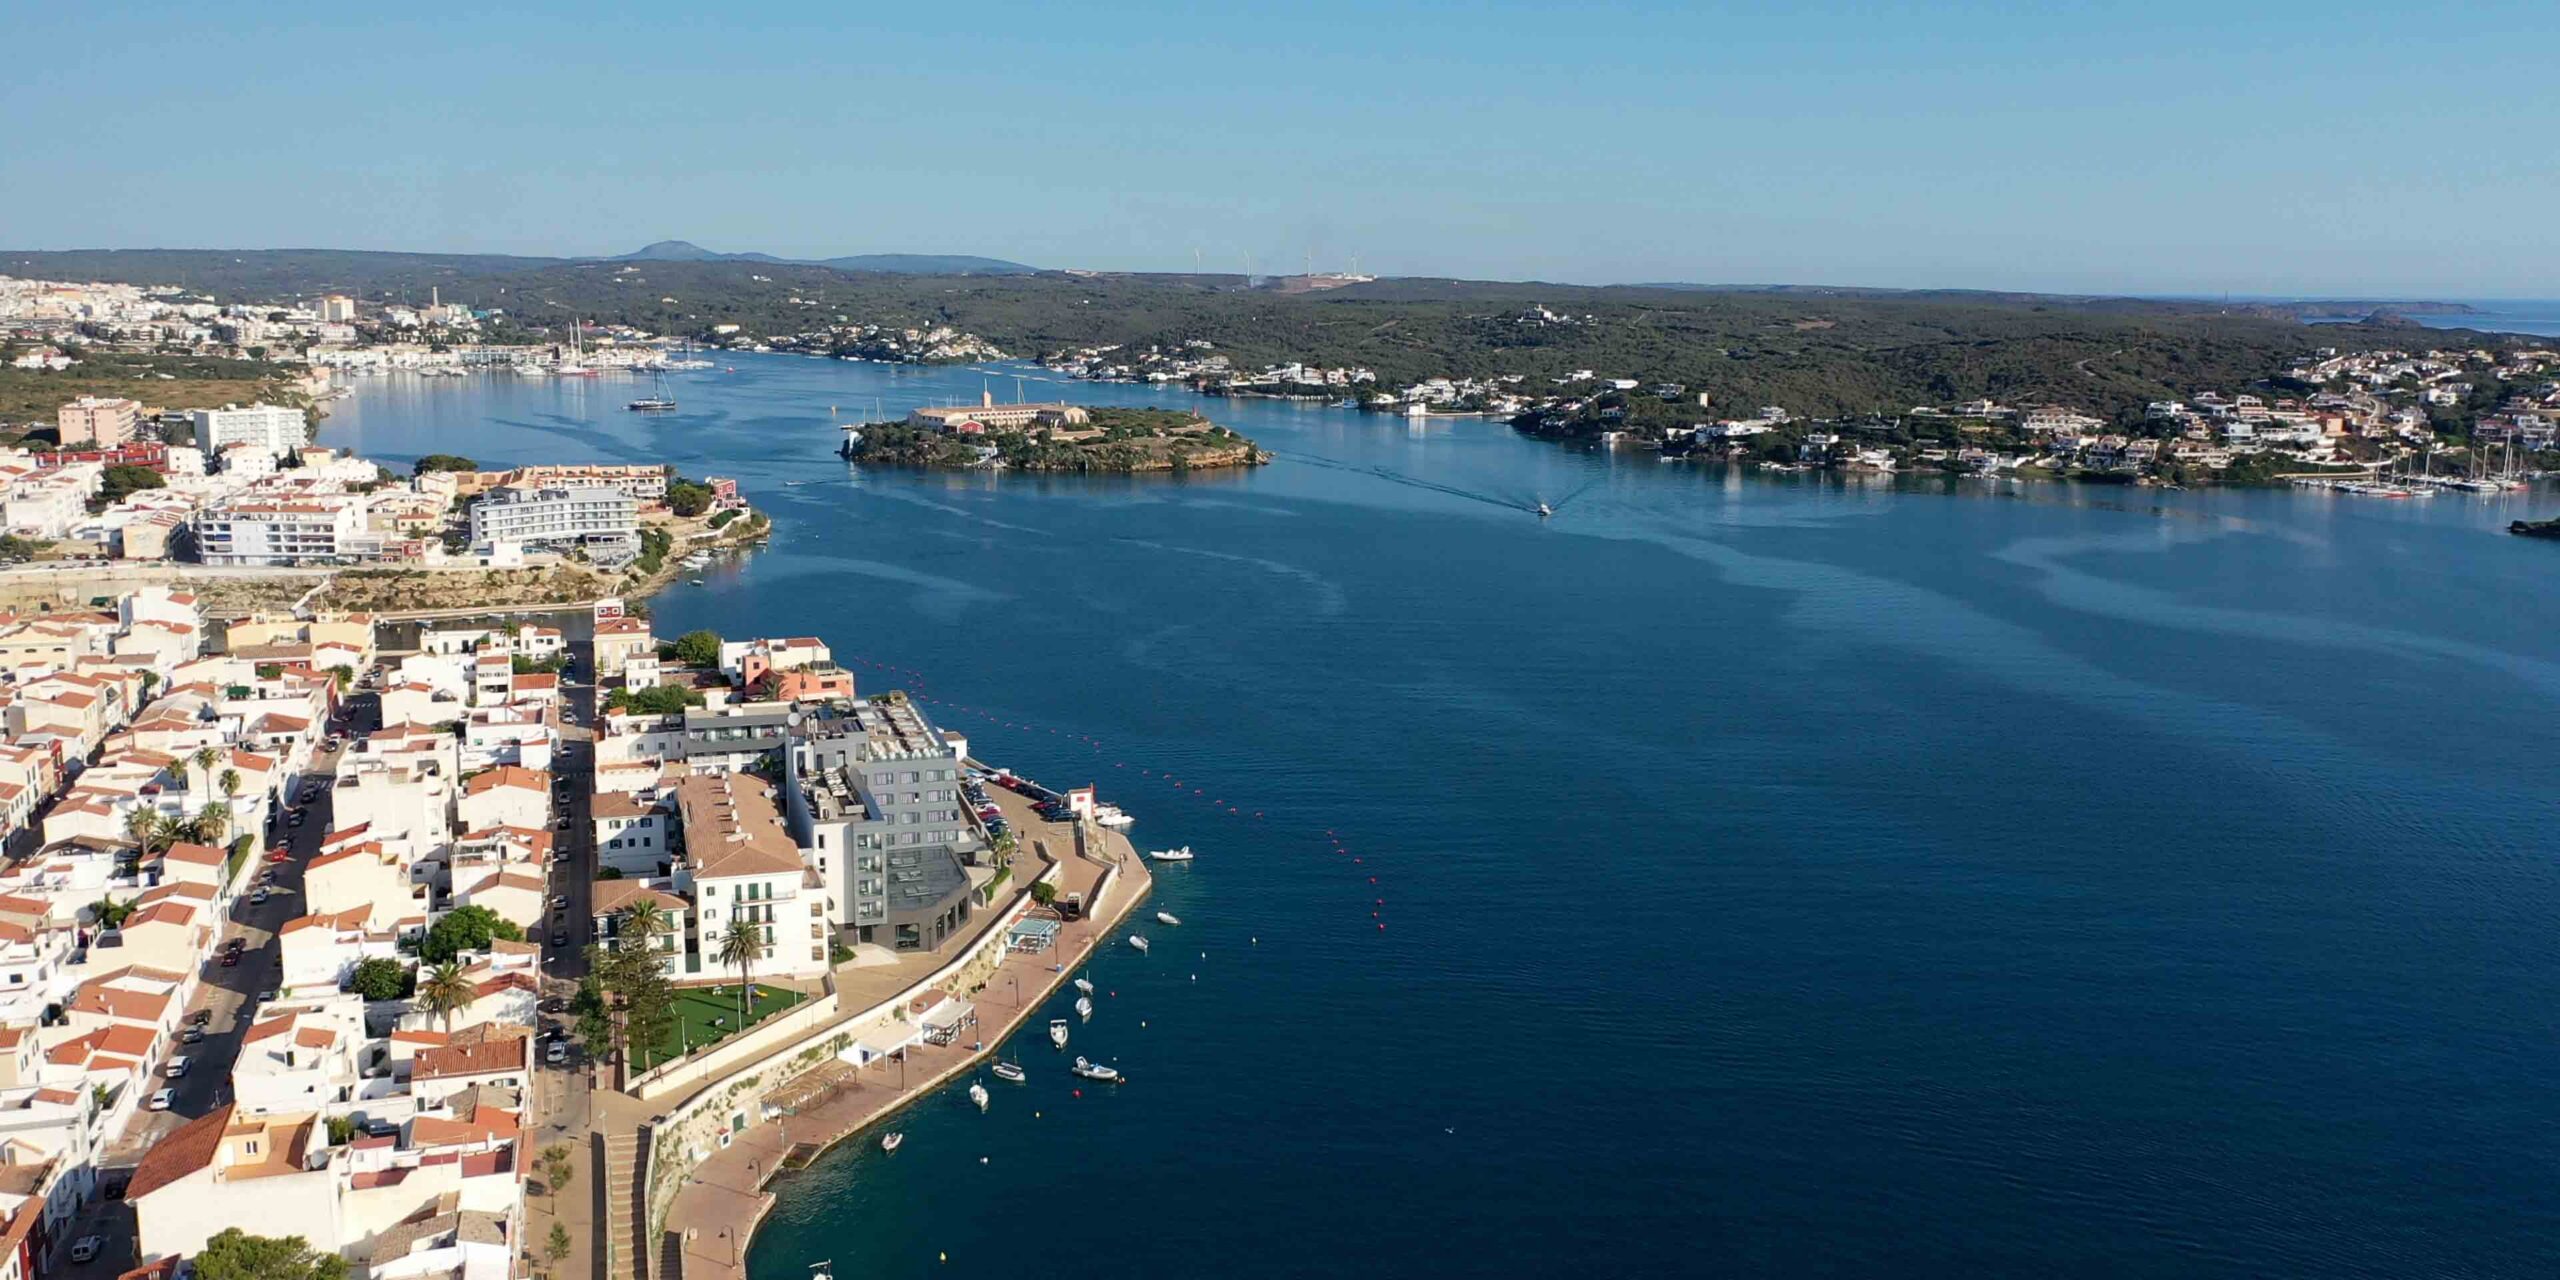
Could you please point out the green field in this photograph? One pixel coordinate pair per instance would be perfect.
(706, 1015)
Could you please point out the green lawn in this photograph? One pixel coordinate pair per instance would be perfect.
(708, 1014)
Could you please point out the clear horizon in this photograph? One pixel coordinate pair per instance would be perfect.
(2290, 151)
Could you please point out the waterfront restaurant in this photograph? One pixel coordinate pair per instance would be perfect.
(941, 1017)
(1031, 935)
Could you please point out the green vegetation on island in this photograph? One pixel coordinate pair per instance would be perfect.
(1109, 440)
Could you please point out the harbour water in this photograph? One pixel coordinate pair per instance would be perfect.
(1777, 875)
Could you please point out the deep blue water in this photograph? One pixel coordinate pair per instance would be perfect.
(1780, 876)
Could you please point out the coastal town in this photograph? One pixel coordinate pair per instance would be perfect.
(2395, 423)
(412, 926)
(396, 922)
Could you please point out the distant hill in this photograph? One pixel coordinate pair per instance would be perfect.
(913, 264)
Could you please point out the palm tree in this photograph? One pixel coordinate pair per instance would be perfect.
(740, 944)
(205, 758)
(145, 826)
(445, 992)
(645, 919)
(212, 823)
(230, 784)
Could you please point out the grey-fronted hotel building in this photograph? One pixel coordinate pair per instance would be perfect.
(874, 798)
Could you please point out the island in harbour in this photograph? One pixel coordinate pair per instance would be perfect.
(1050, 437)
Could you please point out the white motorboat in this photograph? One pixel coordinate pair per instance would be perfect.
(1544, 511)
(1085, 985)
(1112, 816)
(978, 1094)
(1058, 1033)
(1167, 918)
(1182, 854)
(1096, 1071)
(1084, 1006)
(1138, 941)
(891, 1141)
(823, 1270)
(1009, 1072)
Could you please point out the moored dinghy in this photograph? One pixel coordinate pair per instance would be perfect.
(1167, 918)
(1085, 985)
(891, 1141)
(1084, 1006)
(1058, 1033)
(1096, 1071)
(1009, 1072)
(1138, 940)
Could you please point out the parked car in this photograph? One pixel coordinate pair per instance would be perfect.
(259, 898)
(86, 1248)
(177, 1068)
(230, 959)
(162, 1100)
(559, 939)
(557, 1054)
(266, 995)
(201, 1017)
(276, 856)
(192, 1035)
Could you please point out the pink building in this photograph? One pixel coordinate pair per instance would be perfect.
(92, 420)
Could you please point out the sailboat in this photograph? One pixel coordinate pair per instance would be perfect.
(978, 1094)
(662, 400)
(575, 365)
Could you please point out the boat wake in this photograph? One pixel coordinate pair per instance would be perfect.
(1410, 482)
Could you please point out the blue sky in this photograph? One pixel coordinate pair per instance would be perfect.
(2260, 148)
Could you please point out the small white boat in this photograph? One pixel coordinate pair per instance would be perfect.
(1138, 941)
(823, 1270)
(978, 1094)
(1085, 985)
(1544, 511)
(1084, 1006)
(1182, 854)
(1096, 1071)
(1058, 1033)
(1008, 1072)
(1168, 918)
(891, 1141)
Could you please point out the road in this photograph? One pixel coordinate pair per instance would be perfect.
(227, 997)
(566, 1091)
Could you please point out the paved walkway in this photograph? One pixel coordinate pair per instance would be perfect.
(717, 1211)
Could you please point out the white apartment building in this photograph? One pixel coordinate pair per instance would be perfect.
(279, 532)
(270, 429)
(48, 503)
(557, 517)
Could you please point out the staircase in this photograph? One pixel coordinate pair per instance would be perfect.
(626, 1217)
